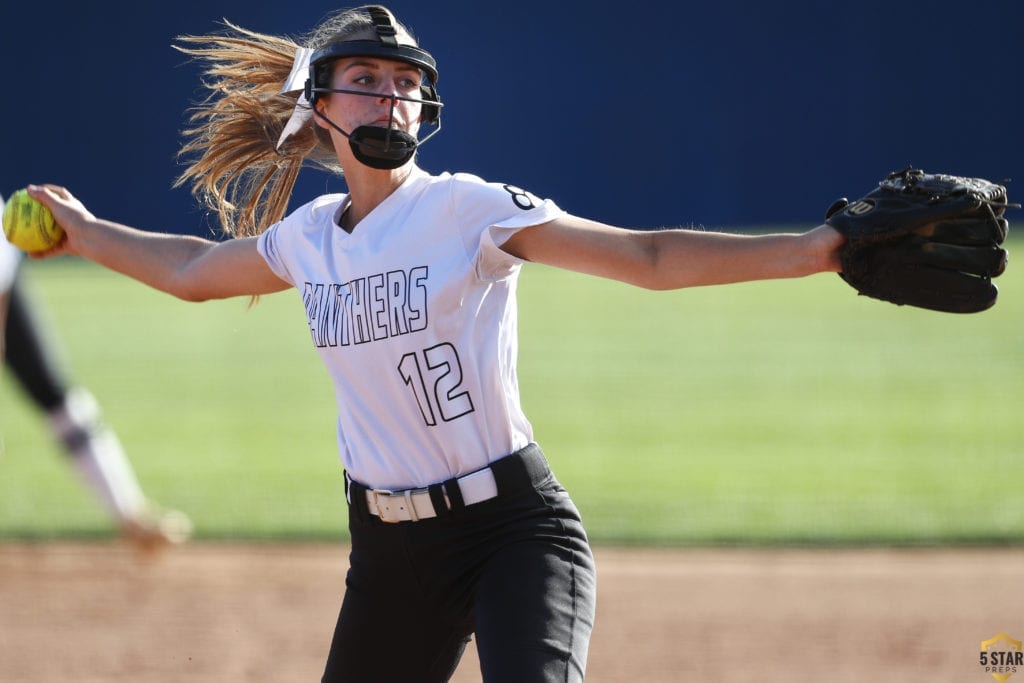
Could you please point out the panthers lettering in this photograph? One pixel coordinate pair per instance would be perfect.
(367, 309)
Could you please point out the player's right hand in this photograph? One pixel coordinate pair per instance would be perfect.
(69, 213)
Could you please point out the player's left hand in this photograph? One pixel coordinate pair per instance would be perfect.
(828, 242)
(927, 240)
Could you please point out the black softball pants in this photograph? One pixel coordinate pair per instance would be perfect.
(516, 570)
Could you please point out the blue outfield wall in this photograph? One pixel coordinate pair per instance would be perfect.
(724, 114)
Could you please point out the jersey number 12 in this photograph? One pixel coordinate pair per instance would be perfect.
(436, 383)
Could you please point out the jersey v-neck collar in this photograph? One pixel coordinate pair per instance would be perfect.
(339, 214)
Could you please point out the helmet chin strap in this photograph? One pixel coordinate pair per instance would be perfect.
(376, 146)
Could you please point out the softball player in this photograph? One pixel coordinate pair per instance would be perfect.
(73, 416)
(408, 281)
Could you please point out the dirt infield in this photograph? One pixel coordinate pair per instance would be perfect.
(216, 612)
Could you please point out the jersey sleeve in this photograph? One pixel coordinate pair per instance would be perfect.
(490, 213)
(301, 237)
(269, 246)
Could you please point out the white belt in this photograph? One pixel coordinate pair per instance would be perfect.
(415, 504)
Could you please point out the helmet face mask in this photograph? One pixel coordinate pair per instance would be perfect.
(382, 148)
(376, 146)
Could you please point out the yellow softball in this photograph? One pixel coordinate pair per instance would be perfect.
(29, 225)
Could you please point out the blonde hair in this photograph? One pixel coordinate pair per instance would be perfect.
(235, 167)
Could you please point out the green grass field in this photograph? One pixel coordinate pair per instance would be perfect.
(771, 413)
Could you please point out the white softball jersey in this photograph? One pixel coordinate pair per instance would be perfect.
(414, 316)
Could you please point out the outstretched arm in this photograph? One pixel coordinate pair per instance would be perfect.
(673, 259)
(190, 268)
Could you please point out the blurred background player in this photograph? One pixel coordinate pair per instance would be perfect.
(28, 352)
